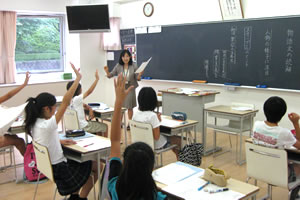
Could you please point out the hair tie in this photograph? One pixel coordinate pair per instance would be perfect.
(34, 100)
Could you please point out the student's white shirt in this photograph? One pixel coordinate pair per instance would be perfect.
(272, 136)
(45, 133)
(150, 118)
(77, 104)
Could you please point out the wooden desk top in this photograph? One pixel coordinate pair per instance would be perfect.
(233, 184)
(96, 139)
(229, 110)
(197, 93)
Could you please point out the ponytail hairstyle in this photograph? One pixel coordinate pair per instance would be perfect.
(34, 108)
(77, 92)
(135, 180)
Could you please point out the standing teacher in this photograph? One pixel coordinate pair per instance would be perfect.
(128, 68)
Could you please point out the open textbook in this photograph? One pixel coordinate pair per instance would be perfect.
(8, 116)
(143, 66)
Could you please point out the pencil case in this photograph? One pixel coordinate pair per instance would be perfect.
(216, 176)
(75, 133)
(179, 116)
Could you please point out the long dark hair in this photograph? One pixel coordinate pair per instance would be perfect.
(34, 108)
(135, 180)
(126, 51)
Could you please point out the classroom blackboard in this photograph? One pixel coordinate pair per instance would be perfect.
(127, 36)
(248, 52)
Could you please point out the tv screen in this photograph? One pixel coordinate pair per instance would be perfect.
(88, 18)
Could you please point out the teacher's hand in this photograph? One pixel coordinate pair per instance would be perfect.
(106, 69)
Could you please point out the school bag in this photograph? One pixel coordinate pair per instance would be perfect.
(30, 167)
(191, 153)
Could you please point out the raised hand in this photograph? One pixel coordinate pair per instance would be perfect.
(26, 79)
(97, 74)
(78, 75)
(120, 91)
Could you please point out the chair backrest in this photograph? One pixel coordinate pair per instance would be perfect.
(267, 164)
(71, 120)
(43, 160)
(141, 132)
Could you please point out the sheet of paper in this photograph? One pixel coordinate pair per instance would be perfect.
(169, 122)
(143, 66)
(141, 30)
(8, 116)
(93, 143)
(188, 91)
(103, 110)
(110, 56)
(241, 108)
(188, 189)
(175, 172)
(154, 29)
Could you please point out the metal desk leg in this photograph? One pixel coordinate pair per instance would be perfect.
(215, 137)
(182, 139)
(195, 134)
(98, 173)
(239, 157)
(204, 133)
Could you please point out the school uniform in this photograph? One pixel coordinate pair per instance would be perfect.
(69, 175)
(115, 167)
(131, 79)
(88, 126)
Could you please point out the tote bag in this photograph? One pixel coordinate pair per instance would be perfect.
(30, 167)
(191, 153)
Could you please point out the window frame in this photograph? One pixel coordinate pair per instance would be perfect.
(62, 20)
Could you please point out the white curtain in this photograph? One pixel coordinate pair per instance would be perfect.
(111, 40)
(8, 21)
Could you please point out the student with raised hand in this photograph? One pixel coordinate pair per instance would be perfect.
(7, 139)
(78, 105)
(127, 68)
(41, 123)
(147, 99)
(131, 179)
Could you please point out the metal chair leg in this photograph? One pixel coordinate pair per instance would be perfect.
(55, 194)
(36, 187)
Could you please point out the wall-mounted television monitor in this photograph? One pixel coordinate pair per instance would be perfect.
(88, 18)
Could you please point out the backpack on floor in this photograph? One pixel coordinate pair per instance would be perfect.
(30, 167)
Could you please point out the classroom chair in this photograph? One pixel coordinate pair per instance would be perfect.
(143, 132)
(71, 120)
(10, 150)
(44, 166)
(269, 165)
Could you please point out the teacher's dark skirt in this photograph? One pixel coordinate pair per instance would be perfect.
(130, 101)
(70, 176)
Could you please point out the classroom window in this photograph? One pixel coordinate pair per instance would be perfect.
(40, 43)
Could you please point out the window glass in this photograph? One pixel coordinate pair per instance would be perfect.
(39, 46)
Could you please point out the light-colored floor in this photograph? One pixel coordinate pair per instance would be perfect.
(226, 161)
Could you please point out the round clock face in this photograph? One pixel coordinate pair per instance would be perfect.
(148, 9)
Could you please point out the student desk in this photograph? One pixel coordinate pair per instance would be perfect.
(107, 114)
(247, 190)
(226, 112)
(81, 154)
(193, 106)
(170, 127)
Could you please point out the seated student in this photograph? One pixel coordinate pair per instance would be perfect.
(147, 100)
(7, 139)
(131, 179)
(269, 133)
(78, 105)
(41, 123)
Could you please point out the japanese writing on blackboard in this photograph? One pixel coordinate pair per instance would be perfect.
(289, 50)
(247, 43)
(268, 51)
